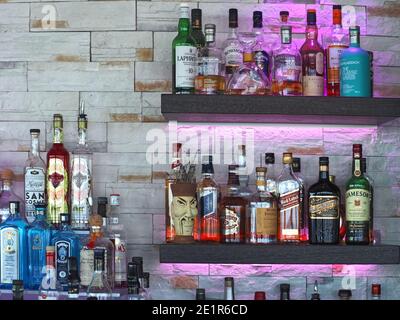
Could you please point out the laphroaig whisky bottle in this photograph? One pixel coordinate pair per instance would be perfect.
(312, 55)
(358, 203)
(57, 174)
(35, 177)
(8, 195)
(324, 208)
(81, 177)
(290, 202)
(334, 43)
(184, 56)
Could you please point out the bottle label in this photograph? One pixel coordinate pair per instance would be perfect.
(81, 189)
(185, 64)
(63, 252)
(57, 189)
(313, 86)
(261, 59)
(266, 219)
(208, 201)
(324, 207)
(233, 58)
(9, 261)
(287, 68)
(37, 243)
(333, 58)
(34, 190)
(355, 76)
(289, 212)
(231, 221)
(183, 212)
(86, 266)
(358, 205)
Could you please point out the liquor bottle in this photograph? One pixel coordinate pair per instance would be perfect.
(261, 56)
(355, 74)
(284, 291)
(18, 289)
(270, 179)
(242, 173)
(201, 294)
(67, 244)
(13, 248)
(140, 274)
(196, 29)
(344, 294)
(232, 48)
(376, 291)
(324, 208)
(99, 286)
(39, 236)
(8, 194)
(342, 223)
(35, 177)
(209, 78)
(81, 177)
(133, 282)
(290, 202)
(287, 70)
(358, 203)
(57, 174)
(102, 203)
(371, 184)
(229, 289)
(73, 279)
(334, 43)
(50, 287)
(315, 295)
(283, 21)
(248, 79)
(304, 216)
(208, 194)
(184, 56)
(118, 237)
(312, 55)
(233, 211)
(171, 179)
(146, 286)
(260, 295)
(371, 69)
(96, 240)
(262, 219)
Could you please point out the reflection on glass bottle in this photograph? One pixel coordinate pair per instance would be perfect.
(261, 56)
(99, 286)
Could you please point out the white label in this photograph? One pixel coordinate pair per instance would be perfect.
(9, 261)
(334, 55)
(313, 86)
(86, 266)
(233, 55)
(34, 189)
(185, 64)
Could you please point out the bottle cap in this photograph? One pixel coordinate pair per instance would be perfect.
(337, 7)
(13, 206)
(229, 281)
(357, 150)
(259, 295)
(40, 207)
(270, 158)
(207, 166)
(284, 13)
(344, 293)
(37, 131)
(296, 165)
(102, 200)
(49, 248)
(311, 17)
(261, 170)
(18, 284)
(257, 19)
(233, 18)
(210, 28)
(323, 160)
(376, 289)
(133, 270)
(57, 120)
(200, 294)
(64, 218)
(287, 158)
(284, 287)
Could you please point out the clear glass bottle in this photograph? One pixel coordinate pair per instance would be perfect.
(229, 288)
(287, 69)
(81, 176)
(67, 244)
(290, 202)
(312, 55)
(271, 177)
(262, 213)
(50, 287)
(232, 48)
(296, 165)
(73, 279)
(9, 195)
(39, 236)
(35, 177)
(13, 248)
(118, 236)
(209, 78)
(248, 79)
(99, 287)
(261, 56)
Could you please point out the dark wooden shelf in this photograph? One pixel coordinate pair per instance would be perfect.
(279, 254)
(272, 109)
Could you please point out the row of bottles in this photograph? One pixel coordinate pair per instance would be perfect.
(281, 210)
(246, 65)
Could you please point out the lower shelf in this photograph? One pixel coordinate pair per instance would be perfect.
(279, 254)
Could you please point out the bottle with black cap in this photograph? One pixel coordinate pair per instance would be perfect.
(271, 176)
(99, 286)
(315, 295)
(304, 217)
(201, 294)
(146, 285)
(73, 279)
(18, 289)
(344, 294)
(196, 31)
(285, 291)
(261, 56)
(134, 287)
(229, 289)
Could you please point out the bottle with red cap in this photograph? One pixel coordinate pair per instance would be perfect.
(260, 295)
(376, 291)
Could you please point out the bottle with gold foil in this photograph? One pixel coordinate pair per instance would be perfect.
(57, 174)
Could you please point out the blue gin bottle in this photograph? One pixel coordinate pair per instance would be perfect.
(39, 236)
(355, 68)
(13, 248)
(67, 244)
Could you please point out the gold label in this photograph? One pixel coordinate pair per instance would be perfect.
(266, 221)
(324, 207)
(358, 205)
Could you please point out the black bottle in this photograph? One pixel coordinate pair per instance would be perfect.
(285, 291)
(18, 290)
(200, 294)
(324, 208)
(196, 30)
(73, 279)
(344, 294)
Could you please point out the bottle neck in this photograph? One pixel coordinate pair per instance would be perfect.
(260, 183)
(183, 26)
(50, 261)
(312, 32)
(357, 172)
(232, 33)
(207, 175)
(354, 39)
(7, 186)
(35, 146)
(58, 136)
(82, 136)
(64, 226)
(229, 294)
(324, 172)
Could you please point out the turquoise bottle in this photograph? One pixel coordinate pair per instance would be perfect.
(13, 248)
(39, 236)
(355, 73)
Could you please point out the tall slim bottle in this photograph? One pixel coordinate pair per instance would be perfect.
(57, 175)
(81, 177)
(229, 289)
(35, 177)
(13, 248)
(8, 194)
(196, 30)
(304, 209)
(261, 56)
(184, 56)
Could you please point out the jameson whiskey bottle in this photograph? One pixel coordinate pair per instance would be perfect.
(35, 177)
(57, 174)
(184, 56)
(358, 203)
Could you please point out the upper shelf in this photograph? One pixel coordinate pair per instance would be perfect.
(276, 109)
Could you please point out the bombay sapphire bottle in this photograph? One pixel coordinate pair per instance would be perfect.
(13, 248)
(39, 236)
(67, 244)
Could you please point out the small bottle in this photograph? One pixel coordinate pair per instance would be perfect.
(355, 73)
(201, 294)
(102, 211)
(284, 291)
(8, 194)
(18, 289)
(134, 292)
(376, 291)
(261, 56)
(315, 295)
(99, 286)
(73, 279)
(271, 178)
(344, 294)
(35, 177)
(260, 295)
(229, 290)
(50, 288)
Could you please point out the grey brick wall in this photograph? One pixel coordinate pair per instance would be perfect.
(115, 55)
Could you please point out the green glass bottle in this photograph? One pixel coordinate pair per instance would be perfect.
(358, 203)
(184, 55)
